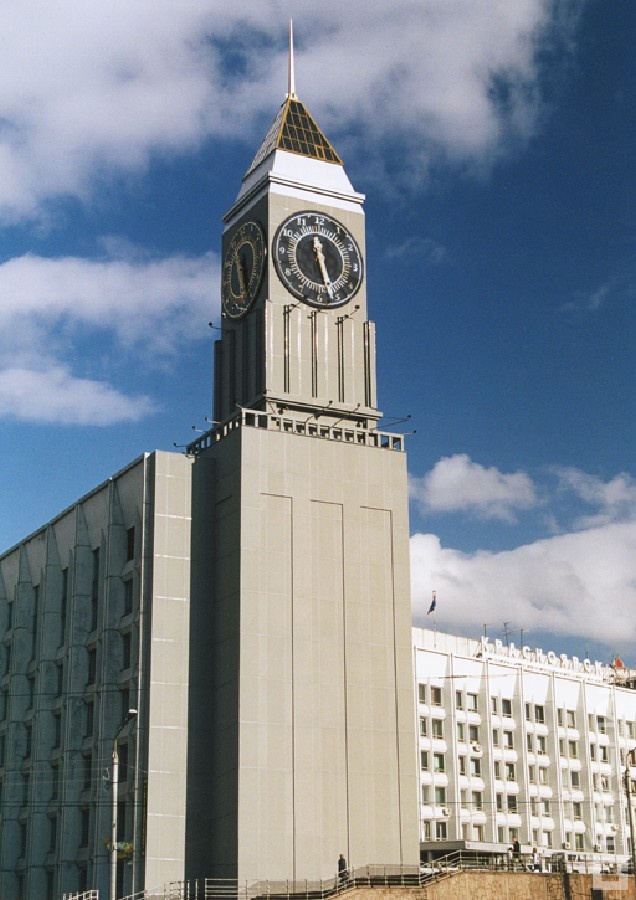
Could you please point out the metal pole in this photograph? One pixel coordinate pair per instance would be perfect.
(113, 834)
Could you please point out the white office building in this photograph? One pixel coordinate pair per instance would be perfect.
(518, 743)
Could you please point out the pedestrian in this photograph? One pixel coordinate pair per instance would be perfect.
(536, 860)
(342, 870)
(516, 852)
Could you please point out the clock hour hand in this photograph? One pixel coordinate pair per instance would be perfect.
(320, 257)
(241, 271)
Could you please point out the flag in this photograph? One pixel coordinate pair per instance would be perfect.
(433, 605)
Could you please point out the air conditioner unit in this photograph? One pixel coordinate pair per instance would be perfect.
(614, 828)
(446, 812)
(596, 848)
(565, 845)
(476, 747)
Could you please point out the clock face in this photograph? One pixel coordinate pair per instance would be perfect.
(317, 259)
(243, 268)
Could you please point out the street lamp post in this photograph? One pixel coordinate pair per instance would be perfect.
(115, 824)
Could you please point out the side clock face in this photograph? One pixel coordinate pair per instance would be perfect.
(317, 259)
(243, 268)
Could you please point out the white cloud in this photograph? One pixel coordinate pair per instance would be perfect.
(456, 483)
(149, 308)
(55, 395)
(572, 584)
(87, 89)
(614, 500)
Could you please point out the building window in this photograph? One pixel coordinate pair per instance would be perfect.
(561, 747)
(530, 742)
(29, 739)
(462, 765)
(425, 794)
(423, 726)
(436, 696)
(130, 543)
(497, 770)
(473, 734)
(424, 760)
(605, 783)
(541, 745)
(88, 771)
(84, 827)
(510, 771)
(579, 842)
(95, 590)
(439, 762)
(508, 741)
(495, 737)
(36, 610)
(539, 715)
(123, 762)
(512, 803)
(532, 774)
(440, 831)
(461, 732)
(55, 782)
(475, 766)
(571, 718)
(601, 725)
(560, 717)
(592, 751)
(459, 700)
(506, 708)
(440, 796)
(7, 659)
(23, 840)
(128, 597)
(57, 739)
(494, 706)
(126, 645)
(546, 807)
(92, 666)
(576, 811)
(471, 702)
(528, 712)
(421, 691)
(437, 727)
(499, 801)
(30, 692)
(478, 800)
(573, 750)
(604, 753)
(575, 778)
(90, 718)
(52, 834)
(63, 607)
(543, 775)
(59, 678)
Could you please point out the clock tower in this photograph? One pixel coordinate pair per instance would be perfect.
(295, 333)
(302, 740)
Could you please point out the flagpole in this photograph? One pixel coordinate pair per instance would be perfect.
(433, 609)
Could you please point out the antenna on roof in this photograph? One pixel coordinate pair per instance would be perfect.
(291, 81)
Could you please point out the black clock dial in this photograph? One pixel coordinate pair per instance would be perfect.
(317, 259)
(243, 268)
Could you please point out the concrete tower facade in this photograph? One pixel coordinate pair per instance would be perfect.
(306, 660)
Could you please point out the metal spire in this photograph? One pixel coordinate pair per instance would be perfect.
(291, 81)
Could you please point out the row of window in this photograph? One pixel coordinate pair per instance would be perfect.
(95, 578)
(534, 712)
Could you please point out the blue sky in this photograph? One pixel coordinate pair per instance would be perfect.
(495, 141)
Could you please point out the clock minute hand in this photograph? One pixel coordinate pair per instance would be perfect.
(322, 266)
